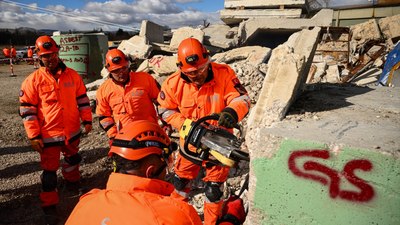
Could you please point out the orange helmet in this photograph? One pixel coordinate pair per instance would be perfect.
(116, 59)
(46, 45)
(192, 55)
(140, 139)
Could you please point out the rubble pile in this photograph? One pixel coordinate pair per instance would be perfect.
(355, 54)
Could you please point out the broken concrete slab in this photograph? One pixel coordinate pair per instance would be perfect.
(390, 27)
(262, 3)
(216, 35)
(368, 78)
(332, 74)
(159, 65)
(297, 165)
(183, 33)
(287, 71)
(152, 31)
(254, 55)
(250, 27)
(363, 33)
(94, 85)
(136, 47)
(233, 17)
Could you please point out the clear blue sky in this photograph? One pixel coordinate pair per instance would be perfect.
(59, 14)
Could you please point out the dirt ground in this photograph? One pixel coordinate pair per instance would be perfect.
(19, 165)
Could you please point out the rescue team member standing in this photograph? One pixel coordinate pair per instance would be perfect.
(126, 96)
(136, 192)
(11, 54)
(198, 89)
(53, 102)
(29, 53)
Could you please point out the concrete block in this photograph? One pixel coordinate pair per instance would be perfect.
(136, 47)
(183, 33)
(216, 35)
(287, 71)
(262, 3)
(362, 33)
(337, 163)
(390, 27)
(159, 65)
(248, 28)
(254, 55)
(232, 17)
(152, 31)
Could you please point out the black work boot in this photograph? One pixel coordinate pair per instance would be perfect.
(76, 188)
(50, 215)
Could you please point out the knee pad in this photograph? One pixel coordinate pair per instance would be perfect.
(74, 159)
(49, 180)
(213, 191)
(179, 183)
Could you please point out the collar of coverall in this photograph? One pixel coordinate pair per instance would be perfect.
(130, 183)
(210, 75)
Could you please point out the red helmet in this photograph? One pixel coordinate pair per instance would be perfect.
(192, 55)
(140, 139)
(46, 45)
(116, 59)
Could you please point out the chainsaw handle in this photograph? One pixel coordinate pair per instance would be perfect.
(214, 116)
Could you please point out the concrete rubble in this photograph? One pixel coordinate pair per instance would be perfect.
(313, 53)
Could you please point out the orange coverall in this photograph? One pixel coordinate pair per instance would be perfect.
(51, 110)
(121, 105)
(180, 99)
(130, 199)
(7, 52)
(13, 52)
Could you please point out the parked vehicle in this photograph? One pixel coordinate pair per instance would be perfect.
(23, 53)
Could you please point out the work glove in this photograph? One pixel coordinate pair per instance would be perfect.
(88, 128)
(228, 118)
(233, 212)
(37, 145)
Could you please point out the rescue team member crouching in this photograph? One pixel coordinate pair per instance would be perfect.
(126, 96)
(136, 192)
(198, 89)
(53, 103)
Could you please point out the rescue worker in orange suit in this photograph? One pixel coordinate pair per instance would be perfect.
(29, 53)
(136, 192)
(9, 53)
(198, 89)
(53, 105)
(126, 96)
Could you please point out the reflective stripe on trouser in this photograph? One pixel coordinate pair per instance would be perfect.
(50, 161)
(70, 172)
(49, 198)
(212, 211)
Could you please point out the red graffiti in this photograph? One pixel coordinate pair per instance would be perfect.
(366, 193)
(156, 61)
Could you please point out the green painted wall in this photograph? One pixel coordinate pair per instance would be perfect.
(84, 53)
(285, 198)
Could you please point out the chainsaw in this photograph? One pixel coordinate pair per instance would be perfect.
(214, 145)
